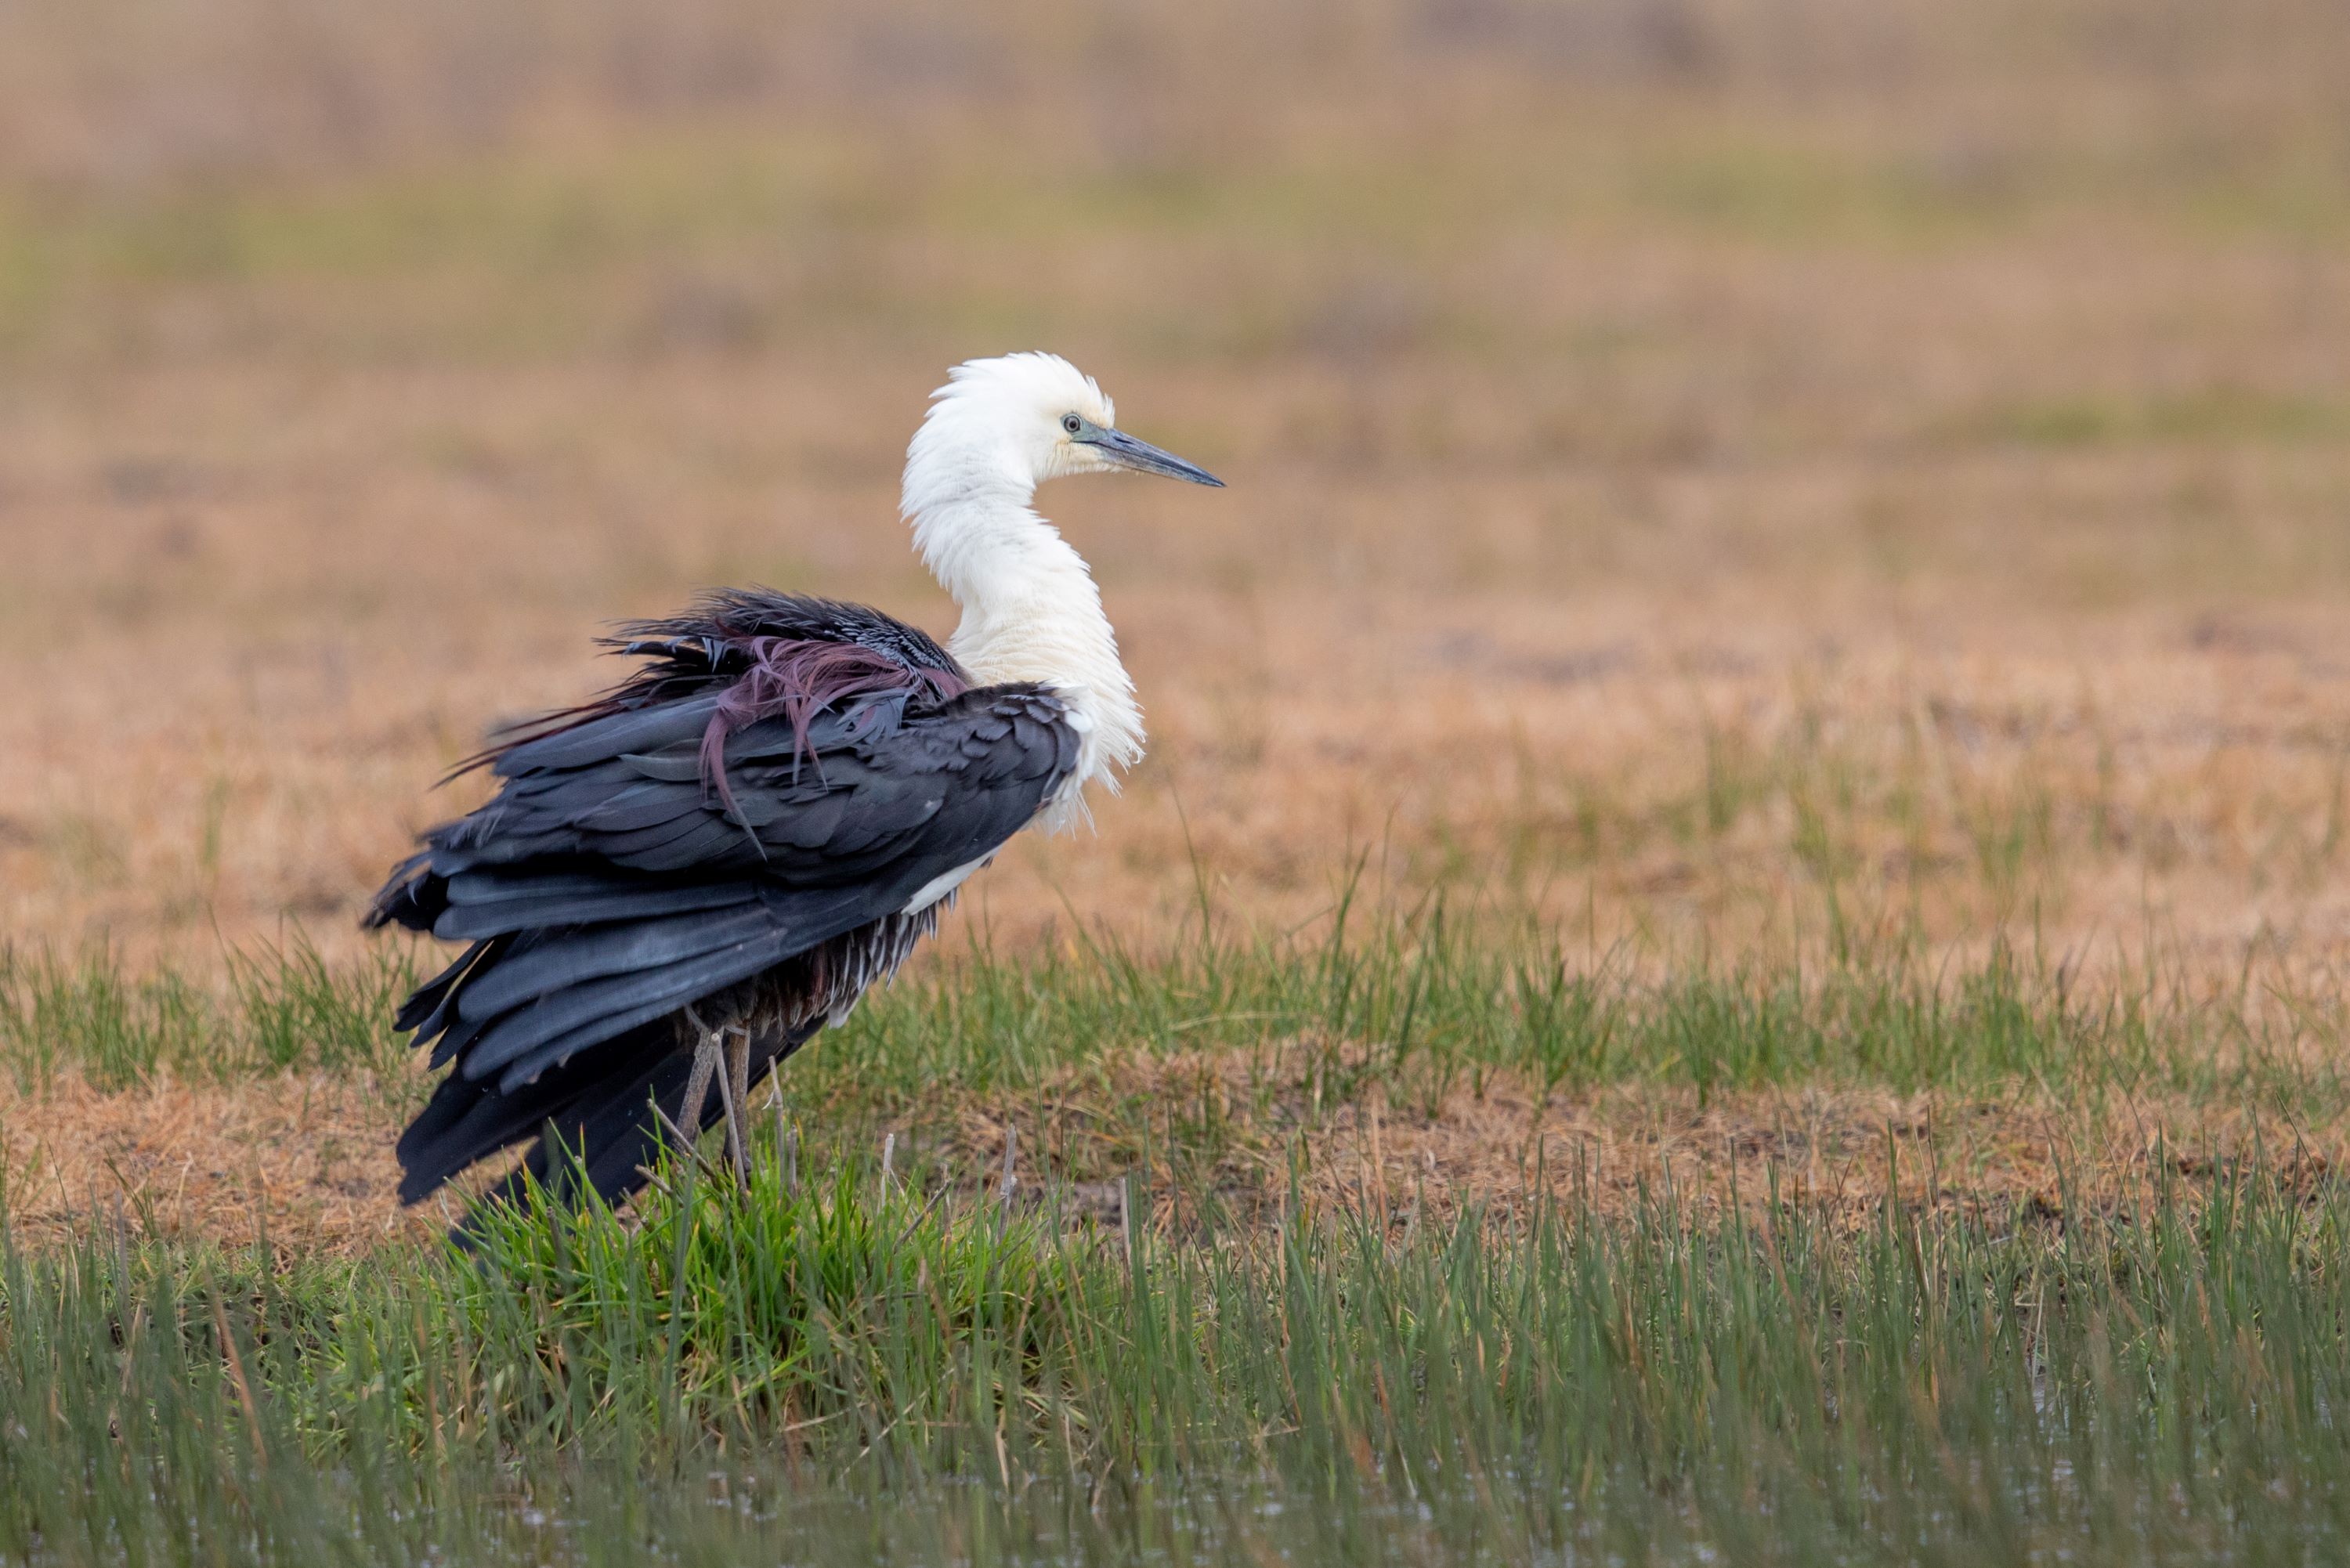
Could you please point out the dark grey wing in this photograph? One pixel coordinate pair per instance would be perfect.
(610, 883)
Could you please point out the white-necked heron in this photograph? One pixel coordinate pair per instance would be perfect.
(685, 879)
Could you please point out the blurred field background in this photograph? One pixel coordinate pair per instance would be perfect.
(1715, 470)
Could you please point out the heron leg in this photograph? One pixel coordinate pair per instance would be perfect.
(697, 1086)
(735, 1089)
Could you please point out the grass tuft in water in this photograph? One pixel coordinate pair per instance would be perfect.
(851, 1367)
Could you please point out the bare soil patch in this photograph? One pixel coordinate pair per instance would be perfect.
(305, 1158)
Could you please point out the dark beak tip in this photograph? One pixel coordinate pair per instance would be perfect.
(1130, 453)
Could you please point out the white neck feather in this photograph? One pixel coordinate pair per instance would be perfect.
(1030, 608)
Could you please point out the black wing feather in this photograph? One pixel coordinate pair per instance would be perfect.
(469, 921)
(567, 958)
(645, 729)
(595, 1011)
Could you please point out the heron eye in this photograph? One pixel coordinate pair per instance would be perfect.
(1071, 423)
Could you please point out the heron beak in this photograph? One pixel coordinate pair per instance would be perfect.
(1123, 449)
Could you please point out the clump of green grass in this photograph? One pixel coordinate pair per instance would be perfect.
(850, 1369)
(282, 1006)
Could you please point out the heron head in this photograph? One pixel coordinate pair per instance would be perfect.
(1044, 418)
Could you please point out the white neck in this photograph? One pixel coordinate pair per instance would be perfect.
(1030, 608)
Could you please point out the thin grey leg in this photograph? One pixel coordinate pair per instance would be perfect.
(737, 1091)
(697, 1087)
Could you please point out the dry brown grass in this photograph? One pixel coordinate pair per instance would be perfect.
(303, 1158)
(1707, 467)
